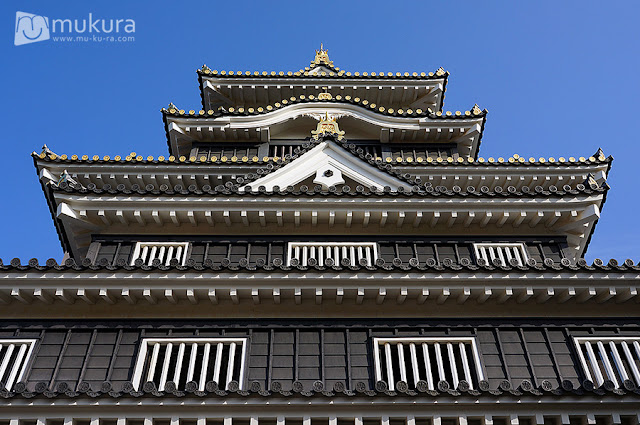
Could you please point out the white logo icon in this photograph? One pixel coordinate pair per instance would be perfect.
(30, 28)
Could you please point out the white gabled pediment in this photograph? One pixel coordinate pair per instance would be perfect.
(328, 165)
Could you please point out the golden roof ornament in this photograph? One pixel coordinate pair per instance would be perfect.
(205, 68)
(172, 108)
(476, 109)
(327, 126)
(322, 57)
(440, 72)
(325, 95)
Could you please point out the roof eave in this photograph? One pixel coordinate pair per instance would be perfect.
(51, 203)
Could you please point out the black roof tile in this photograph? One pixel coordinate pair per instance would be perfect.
(417, 189)
(337, 73)
(581, 264)
(476, 112)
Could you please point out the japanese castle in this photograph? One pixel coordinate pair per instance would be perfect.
(321, 247)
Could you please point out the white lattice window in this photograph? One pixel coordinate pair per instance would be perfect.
(616, 359)
(351, 253)
(504, 252)
(14, 358)
(162, 251)
(427, 359)
(183, 360)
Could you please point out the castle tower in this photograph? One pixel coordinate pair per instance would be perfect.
(321, 247)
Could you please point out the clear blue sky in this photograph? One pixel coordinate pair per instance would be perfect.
(559, 78)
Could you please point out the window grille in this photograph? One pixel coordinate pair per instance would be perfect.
(182, 360)
(260, 252)
(14, 358)
(362, 253)
(504, 252)
(228, 151)
(616, 359)
(429, 359)
(280, 151)
(374, 150)
(424, 151)
(163, 251)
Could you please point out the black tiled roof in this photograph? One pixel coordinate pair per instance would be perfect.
(64, 159)
(346, 191)
(598, 266)
(364, 103)
(205, 71)
(418, 188)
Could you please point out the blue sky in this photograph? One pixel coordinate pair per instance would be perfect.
(559, 78)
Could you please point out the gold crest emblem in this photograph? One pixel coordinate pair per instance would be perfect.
(325, 95)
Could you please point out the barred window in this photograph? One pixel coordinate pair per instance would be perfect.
(281, 150)
(428, 359)
(226, 150)
(505, 253)
(616, 359)
(14, 358)
(344, 253)
(184, 360)
(423, 151)
(161, 251)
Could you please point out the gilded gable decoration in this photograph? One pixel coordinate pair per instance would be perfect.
(326, 126)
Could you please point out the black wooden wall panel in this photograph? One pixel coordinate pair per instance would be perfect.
(566, 362)
(309, 357)
(541, 357)
(335, 358)
(286, 351)
(101, 355)
(515, 358)
(259, 357)
(48, 353)
(455, 249)
(73, 359)
(360, 358)
(491, 357)
(283, 356)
